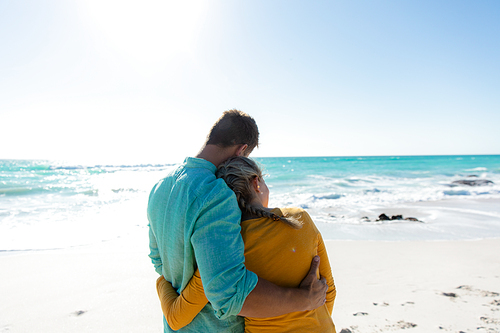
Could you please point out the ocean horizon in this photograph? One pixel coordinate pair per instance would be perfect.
(48, 204)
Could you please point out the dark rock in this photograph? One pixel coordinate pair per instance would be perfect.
(475, 182)
(450, 294)
(475, 176)
(346, 330)
(383, 217)
(365, 219)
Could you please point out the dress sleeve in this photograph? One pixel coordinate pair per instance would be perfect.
(325, 271)
(179, 310)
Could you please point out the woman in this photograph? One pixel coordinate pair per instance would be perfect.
(279, 246)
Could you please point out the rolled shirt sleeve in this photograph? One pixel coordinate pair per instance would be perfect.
(219, 252)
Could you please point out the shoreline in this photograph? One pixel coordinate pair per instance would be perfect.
(440, 216)
(443, 220)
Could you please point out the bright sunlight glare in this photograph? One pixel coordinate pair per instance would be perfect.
(147, 34)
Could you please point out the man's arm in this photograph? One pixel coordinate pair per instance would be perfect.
(269, 300)
(154, 254)
(219, 252)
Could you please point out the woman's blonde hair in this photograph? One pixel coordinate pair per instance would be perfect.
(238, 173)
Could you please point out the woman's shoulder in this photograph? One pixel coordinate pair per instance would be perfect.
(296, 213)
(291, 211)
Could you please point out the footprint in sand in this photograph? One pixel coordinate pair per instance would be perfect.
(470, 291)
(449, 329)
(478, 292)
(78, 313)
(381, 304)
(360, 314)
(490, 320)
(402, 325)
(351, 329)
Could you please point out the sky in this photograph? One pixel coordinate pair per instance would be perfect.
(144, 81)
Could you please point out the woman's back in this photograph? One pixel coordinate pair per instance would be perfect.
(282, 255)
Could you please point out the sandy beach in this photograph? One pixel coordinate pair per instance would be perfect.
(108, 287)
(382, 286)
(436, 286)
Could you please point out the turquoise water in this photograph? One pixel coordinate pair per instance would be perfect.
(351, 183)
(50, 204)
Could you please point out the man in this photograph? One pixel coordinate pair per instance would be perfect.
(195, 222)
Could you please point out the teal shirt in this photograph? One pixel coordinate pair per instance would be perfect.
(194, 220)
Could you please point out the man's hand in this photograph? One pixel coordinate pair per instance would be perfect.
(315, 289)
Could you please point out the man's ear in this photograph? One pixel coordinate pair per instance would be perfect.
(241, 149)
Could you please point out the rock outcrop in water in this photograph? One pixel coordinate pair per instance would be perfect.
(384, 217)
(472, 182)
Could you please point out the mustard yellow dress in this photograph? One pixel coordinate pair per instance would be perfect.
(277, 253)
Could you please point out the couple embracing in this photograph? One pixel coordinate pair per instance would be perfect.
(238, 265)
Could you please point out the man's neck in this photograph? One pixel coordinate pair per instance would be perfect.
(215, 154)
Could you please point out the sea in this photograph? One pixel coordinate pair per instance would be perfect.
(53, 204)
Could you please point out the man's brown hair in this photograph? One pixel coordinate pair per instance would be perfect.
(234, 127)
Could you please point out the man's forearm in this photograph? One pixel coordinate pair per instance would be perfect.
(269, 300)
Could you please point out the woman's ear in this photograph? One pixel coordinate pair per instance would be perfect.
(255, 184)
